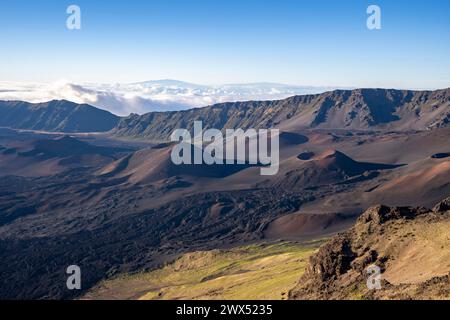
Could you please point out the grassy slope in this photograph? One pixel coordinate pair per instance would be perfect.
(263, 271)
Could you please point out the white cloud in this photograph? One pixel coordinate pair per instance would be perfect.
(163, 95)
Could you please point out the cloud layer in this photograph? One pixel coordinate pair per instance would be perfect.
(162, 95)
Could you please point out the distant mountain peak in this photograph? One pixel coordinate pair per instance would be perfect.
(56, 116)
(153, 95)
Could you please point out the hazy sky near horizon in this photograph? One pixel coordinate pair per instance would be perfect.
(302, 42)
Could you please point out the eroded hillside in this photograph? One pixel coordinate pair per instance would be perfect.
(411, 246)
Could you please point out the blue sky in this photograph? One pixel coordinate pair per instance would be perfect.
(309, 42)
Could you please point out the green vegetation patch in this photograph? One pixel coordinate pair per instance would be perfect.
(260, 271)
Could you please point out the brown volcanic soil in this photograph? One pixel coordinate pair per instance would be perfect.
(49, 156)
(425, 177)
(300, 225)
(410, 245)
(64, 203)
(138, 212)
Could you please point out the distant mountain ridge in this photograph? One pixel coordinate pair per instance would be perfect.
(155, 95)
(55, 116)
(360, 109)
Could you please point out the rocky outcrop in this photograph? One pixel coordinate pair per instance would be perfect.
(443, 206)
(392, 239)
